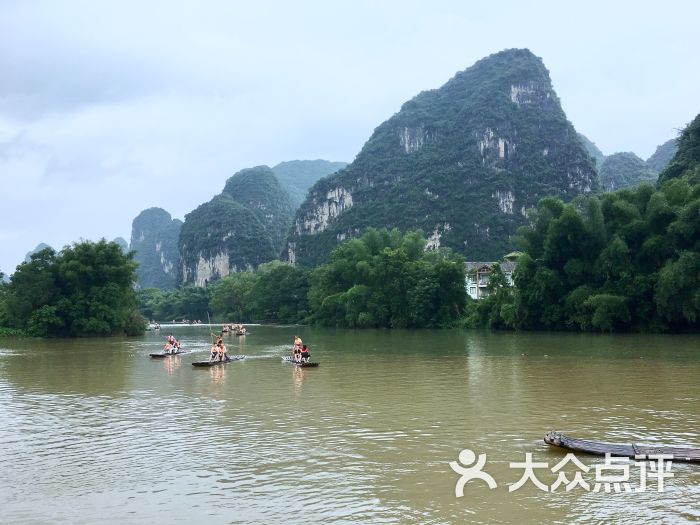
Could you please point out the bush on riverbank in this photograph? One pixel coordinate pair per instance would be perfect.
(387, 280)
(12, 332)
(84, 290)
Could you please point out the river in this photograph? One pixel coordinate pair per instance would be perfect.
(95, 431)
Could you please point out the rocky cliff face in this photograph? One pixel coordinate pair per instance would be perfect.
(623, 170)
(462, 162)
(237, 230)
(297, 176)
(154, 238)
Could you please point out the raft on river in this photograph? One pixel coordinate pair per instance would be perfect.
(165, 354)
(217, 362)
(631, 450)
(302, 364)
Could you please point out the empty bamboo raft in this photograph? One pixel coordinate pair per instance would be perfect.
(614, 449)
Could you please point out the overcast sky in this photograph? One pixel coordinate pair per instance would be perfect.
(108, 108)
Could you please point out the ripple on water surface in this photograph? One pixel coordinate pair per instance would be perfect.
(366, 437)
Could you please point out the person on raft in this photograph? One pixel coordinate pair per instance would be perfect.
(172, 345)
(218, 351)
(305, 355)
(296, 349)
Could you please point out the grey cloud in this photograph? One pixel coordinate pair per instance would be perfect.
(69, 81)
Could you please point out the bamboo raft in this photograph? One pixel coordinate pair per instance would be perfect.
(303, 364)
(631, 450)
(229, 359)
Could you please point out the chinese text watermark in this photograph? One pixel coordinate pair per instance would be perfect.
(613, 475)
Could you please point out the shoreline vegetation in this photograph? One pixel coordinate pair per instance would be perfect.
(84, 290)
(383, 279)
(12, 332)
(625, 261)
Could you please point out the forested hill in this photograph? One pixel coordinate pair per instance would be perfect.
(237, 230)
(154, 237)
(686, 161)
(623, 170)
(627, 260)
(593, 150)
(462, 163)
(297, 176)
(663, 155)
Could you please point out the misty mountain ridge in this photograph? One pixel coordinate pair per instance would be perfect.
(297, 176)
(626, 169)
(154, 238)
(244, 225)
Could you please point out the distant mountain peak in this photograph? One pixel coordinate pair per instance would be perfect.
(239, 229)
(462, 162)
(154, 238)
(297, 176)
(623, 170)
(37, 249)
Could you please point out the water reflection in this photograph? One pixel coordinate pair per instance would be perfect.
(369, 435)
(172, 363)
(217, 374)
(298, 374)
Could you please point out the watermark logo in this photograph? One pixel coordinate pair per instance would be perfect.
(467, 457)
(613, 475)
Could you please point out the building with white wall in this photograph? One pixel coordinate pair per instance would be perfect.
(479, 274)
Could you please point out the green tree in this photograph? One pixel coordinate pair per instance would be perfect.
(686, 161)
(32, 286)
(232, 297)
(85, 290)
(608, 311)
(150, 300)
(280, 293)
(387, 279)
(678, 289)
